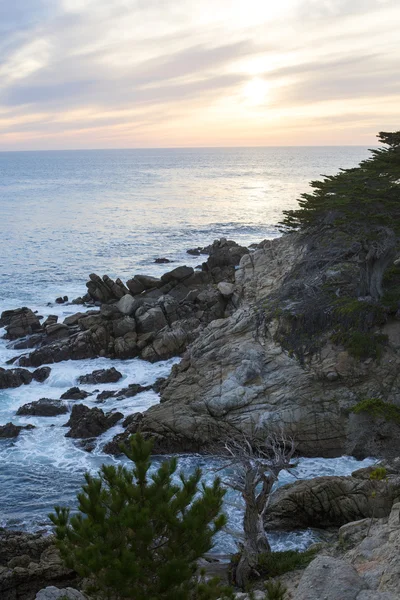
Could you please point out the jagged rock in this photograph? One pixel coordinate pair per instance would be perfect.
(101, 376)
(74, 393)
(12, 378)
(88, 422)
(61, 300)
(105, 289)
(106, 394)
(123, 326)
(51, 320)
(127, 305)
(127, 346)
(151, 320)
(10, 430)
(178, 274)
(57, 331)
(53, 593)
(21, 581)
(19, 322)
(328, 578)
(135, 287)
(148, 282)
(45, 407)
(29, 342)
(75, 318)
(330, 502)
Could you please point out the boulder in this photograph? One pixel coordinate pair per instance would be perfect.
(127, 305)
(45, 407)
(329, 578)
(105, 289)
(19, 322)
(162, 261)
(57, 331)
(74, 393)
(75, 318)
(135, 287)
(51, 320)
(226, 289)
(178, 274)
(151, 320)
(123, 326)
(13, 378)
(10, 430)
(330, 502)
(86, 422)
(148, 282)
(101, 376)
(41, 374)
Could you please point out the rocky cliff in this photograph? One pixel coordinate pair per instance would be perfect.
(238, 376)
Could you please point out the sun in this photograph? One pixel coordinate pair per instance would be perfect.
(256, 91)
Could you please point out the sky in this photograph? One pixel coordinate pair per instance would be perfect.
(184, 73)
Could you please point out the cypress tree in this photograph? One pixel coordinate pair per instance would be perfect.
(140, 536)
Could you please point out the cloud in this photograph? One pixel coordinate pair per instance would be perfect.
(84, 65)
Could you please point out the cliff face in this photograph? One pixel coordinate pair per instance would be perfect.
(236, 378)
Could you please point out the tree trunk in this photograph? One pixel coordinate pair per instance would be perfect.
(256, 541)
(375, 259)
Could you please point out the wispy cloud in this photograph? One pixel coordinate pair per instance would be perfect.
(110, 73)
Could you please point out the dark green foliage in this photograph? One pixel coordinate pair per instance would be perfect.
(365, 195)
(139, 536)
(379, 409)
(274, 564)
(275, 590)
(378, 474)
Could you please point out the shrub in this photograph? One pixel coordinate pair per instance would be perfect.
(379, 409)
(275, 590)
(378, 474)
(140, 536)
(274, 564)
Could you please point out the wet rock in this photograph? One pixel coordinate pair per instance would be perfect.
(105, 289)
(21, 581)
(101, 376)
(75, 393)
(10, 430)
(45, 407)
(29, 342)
(123, 326)
(13, 378)
(61, 300)
(151, 320)
(106, 394)
(135, 286)
(74, 319)
(161, 261)
(86, 422)
(41, 374)
(132, 390)
(19, 323)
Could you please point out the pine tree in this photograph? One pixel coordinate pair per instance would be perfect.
(362, 203)
(139, 536)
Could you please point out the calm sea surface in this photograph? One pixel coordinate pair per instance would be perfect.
(64, 215)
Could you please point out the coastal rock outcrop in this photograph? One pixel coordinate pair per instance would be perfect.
(101, 376)
(13, 378)
(237, 376)
(45, 407)
(9, 430)
(330, 502)
(28, 563)
(86, 422)
(19, 322)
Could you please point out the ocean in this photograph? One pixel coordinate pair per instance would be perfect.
(66, 214)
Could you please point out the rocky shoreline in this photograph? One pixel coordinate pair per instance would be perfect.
(234, 376)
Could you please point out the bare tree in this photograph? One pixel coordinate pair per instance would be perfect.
(256, 466)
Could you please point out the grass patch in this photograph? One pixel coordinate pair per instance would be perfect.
(274, 564)
(377, 408)
(361, 344)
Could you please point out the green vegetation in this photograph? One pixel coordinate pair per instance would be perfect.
(363, 204)
(379, 409)
(139, 536)
(274, 564)
(275, 590)
(378, 474)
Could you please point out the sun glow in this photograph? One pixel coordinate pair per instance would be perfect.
(256, 91)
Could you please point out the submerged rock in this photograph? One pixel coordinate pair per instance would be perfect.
(10, 430)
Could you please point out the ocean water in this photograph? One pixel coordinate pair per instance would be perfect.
(66, 214)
